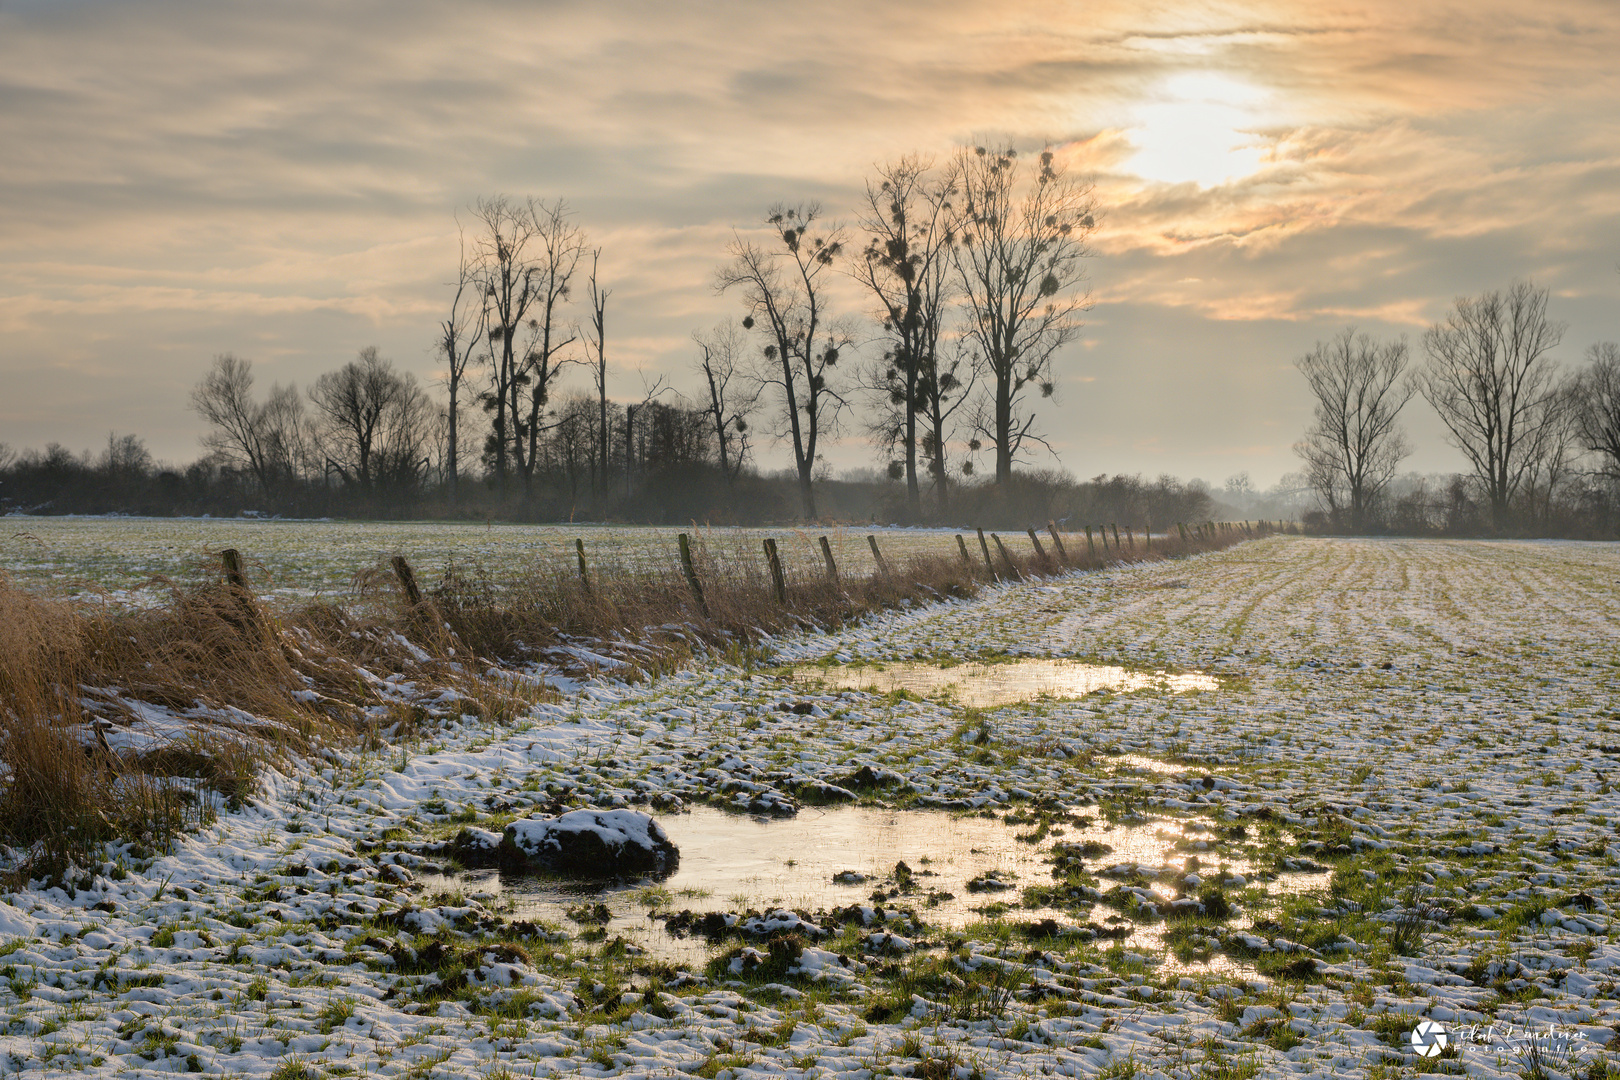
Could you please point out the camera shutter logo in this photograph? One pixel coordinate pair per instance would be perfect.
(1430, 1038)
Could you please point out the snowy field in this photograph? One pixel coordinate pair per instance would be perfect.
(291, 561)
(1423, 734)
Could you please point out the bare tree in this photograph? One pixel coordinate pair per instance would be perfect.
(505, 271)
(944, 392)
(906, 265)
(598, 347)
(375, 423)
(561, 245)
(1597, 408)
(731, 399)
(1354, 445)
(1491, 377)
(1020, 258)
(786, 299)
(264, 438)
(459, 338)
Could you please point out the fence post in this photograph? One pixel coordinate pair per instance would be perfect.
(832, 567)
(231, 560)
(1147, 535)
(407, 580)
(1102, 531)
(984, 545)
(691, 574)
(1130, 538)
(584, 577)
(1040, 552)
(776, 570)
(1057, 541)
(1091, 545)
(1006, 556)
(1116, 536)
(961, 545)
(882, 565)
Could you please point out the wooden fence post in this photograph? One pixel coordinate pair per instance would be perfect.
(961, 545)
(1040, 552)
(832, 567)
(882, 565)
(1130, 538)
(231, 560)
(691, 574)
(1147, 535)
(775, 562)
(1116, 537)
(984, 545)
(1091, 545)
(584, 576)
(1006, 556)
(1102, 532)
(1057, 541)
(407, 580)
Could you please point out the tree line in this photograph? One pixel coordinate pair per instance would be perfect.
(972, 272)
(1542, 443)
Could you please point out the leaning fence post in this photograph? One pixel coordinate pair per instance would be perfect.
(1040, 552)
(1057, 541)
(832, 567)
(776, 570)
(1102, 531)
(1091, 545)
(1116, 537)
(1006, 555)
(1130, 538)
(584, 576)
(407, 580)
(691, 574)
(961, 546)
(883, 566)
(984, 546)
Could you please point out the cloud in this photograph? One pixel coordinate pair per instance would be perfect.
(183, 178)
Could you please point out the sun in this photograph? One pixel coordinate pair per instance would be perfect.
(1197, 129)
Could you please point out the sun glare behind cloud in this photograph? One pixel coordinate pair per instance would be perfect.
(1198, 129)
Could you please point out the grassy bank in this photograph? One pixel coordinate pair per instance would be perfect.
(140, 724)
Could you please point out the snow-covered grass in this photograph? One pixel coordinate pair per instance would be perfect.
(1430, 724)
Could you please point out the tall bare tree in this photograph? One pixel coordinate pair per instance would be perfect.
(908, 218)
(266, 438)
(1492, 379)
(597, 347)
(731, 398)
(560, 247)
(1020, 257)
(460, 335)
(505, 268)
(1352, 448)
(786, 298)
(1597, 406)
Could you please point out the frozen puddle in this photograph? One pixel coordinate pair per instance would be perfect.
(981, 685)
(964, 868)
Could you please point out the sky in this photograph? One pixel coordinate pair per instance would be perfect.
(283, 182)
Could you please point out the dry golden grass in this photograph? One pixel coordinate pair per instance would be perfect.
(259, 684)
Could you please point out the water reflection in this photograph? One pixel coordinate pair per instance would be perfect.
(982, 685)
(827, 859)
